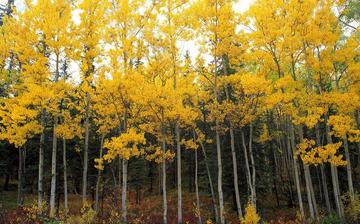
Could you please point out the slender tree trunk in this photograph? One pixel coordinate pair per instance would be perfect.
(253, 177)
(163, 169)
(322, 171)
(124, 191)
(98, 181)
(120, 171)
(325, 188)
(178, 163)
(41, 161)
(20, 196)
(296, 168)
(247, 166)
(334, 176)
(54, 151)
(86, 149)
(232, 145)
(348, 169)
(357, 118)
(308, 181)
(164, 190)
(53, 170)
(308, 191)
(288, 164)
(235, 171)
(197, 187)
(66, 205)
(124, 180)
(219, 165)
(313, 198)
(336, 192)
(274, 178)
(212, 191)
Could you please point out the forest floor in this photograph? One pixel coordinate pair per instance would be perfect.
(141, 209)
(147, 210)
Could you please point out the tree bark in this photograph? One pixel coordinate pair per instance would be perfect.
(86, 149)
(296, 168)
(308, 191)
(313, 198)
(219, 165)
(66, 205)
(124, 180)
(247, 166)
(163, 170)
(98, 180)
(53, 170)
(308, 182)
(232, 145)
(253, 177)
(348, 169)
(54, 151)
(334, 175)
(235, 171)
(124, 191)
(178, 163)
(212, 191)
(197, 187)
(41, 161)
(20, 196)
(164, 189)
(322, 171)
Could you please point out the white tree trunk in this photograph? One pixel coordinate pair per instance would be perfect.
(308, 192)
(296, 169)
(197, 188)
(164, 191)
(235, 171)
(313, 198)
(334, 176)
(348, 169)
(247, 166)
(41, 161)
(53, 171)
(212, 191)
(219, 165)
(163, 169)
(307, 179)
(253, 177)
(54, 151)
(124, 191)
(86, 149)
(322, 171)
(232, 145)
(66, 205)
(99, 176)
(178, 163)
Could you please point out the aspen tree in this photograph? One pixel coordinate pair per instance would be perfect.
(211, 20)
(173, 28)
(89, 36)
(55, 38)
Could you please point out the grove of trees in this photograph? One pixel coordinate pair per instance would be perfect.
(240, 113)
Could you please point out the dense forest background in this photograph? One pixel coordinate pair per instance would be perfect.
(105, 118)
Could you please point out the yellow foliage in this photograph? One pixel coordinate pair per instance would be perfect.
(320, 154)
(343, 126)
(34, 211)
(265, 135)
(250, 217)
(125, 146)
(88, 214)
